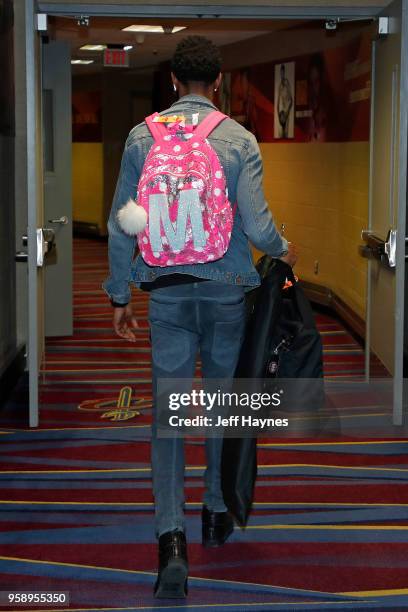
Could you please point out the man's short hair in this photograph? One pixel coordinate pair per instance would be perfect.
(196, 59)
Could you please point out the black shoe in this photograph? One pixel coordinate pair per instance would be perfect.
(217, 527)
(173, 566)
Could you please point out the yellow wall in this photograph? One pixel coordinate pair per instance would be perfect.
(87, 182)
(320, 192)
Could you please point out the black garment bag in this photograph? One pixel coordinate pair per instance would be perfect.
(281, 341)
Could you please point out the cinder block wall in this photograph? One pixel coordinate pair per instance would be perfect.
(320, 192)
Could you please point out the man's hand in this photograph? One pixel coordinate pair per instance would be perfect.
(125, 323)
(292, 255)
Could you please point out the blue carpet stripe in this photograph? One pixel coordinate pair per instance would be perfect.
(349, 472)
(114, 576)
(140, 533)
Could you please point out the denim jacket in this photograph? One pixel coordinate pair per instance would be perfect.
(240, 157)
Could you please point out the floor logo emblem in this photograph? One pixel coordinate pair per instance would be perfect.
(122, 409)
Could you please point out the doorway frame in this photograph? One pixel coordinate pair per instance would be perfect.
(310, 12)
(221, 11)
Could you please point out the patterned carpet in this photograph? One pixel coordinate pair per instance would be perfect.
(329, 529)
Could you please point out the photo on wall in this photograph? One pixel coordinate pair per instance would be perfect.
(284, 115)
(86, 116)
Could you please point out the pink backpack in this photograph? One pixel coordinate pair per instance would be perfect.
(182, 215)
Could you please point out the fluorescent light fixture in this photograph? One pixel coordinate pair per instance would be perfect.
(93, 48)
(152, 29)
(127, 47)
(82, 62)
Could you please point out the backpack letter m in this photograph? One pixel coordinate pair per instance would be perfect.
(189, 207)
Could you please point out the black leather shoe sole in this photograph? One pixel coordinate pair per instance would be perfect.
(214, 537)
(172, 583)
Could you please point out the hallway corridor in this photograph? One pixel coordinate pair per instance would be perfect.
(329, 528)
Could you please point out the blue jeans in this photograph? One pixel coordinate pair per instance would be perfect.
(208, 317)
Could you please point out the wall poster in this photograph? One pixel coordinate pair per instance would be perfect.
(317, 97)
(86, 116)
(284, 112)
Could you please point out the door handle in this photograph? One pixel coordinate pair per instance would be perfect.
(62, 220)
(382, 250)
(45, 244)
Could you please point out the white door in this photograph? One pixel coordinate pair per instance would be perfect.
(33, 177)
(57, 145)
(49, 242)
(388, 197)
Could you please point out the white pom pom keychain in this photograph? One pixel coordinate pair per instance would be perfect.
(132, 218)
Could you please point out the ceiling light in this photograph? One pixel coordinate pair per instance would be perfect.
(127, 47)
(176, 29)
(93, 47)
(152, 29)
(80, 61)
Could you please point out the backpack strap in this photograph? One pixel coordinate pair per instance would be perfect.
(209, 123)
(157, 130)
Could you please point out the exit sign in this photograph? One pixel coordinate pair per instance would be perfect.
(116, 57)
